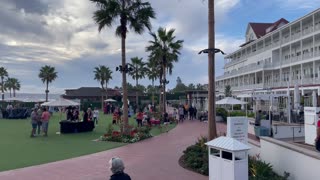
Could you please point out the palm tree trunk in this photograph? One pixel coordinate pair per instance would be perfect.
(2, 89)
(137, 98)
(10, 92)
(152, 92)
(47, 91)
(106, 91)
(102, 90)
(14, 92)
(212, 132)
(124, 82)
(164, 89)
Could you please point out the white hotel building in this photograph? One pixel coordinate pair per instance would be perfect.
(275, 57)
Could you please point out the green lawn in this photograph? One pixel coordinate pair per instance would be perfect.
(18, 150)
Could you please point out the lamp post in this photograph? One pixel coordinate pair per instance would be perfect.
(212, 131)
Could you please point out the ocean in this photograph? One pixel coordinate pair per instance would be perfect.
(32, 96)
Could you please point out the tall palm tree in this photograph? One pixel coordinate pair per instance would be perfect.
(9, 85)
(153, 74)
(103, 74)
(138, 72)
(165, 50)
(15, 86)
(3, 74)
(212, 132)
(133, 14)
(47, 75)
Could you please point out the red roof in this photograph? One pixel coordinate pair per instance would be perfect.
(261, 29)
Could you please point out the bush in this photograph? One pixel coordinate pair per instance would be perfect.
(237, 113)
(223, 113)
(259, 170)
(195, 158)
(135, 135)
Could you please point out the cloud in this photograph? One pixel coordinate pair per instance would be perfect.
(62, 33)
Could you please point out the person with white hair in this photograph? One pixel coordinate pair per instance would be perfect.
(117, 168)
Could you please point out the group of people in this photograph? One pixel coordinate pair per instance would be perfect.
(39, 119)
(184, 112)
(89, 115)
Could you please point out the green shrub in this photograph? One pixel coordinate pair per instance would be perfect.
(260, 170)
(237, 113)
(237, 107)
(196, 157)
(223, 113)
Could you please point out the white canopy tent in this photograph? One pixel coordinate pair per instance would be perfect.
(13, 99)
(110, 100)
(231, 101)
(60, 103)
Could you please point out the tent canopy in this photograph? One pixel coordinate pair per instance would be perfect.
(230, 101)
(110, 100)
(61, 102)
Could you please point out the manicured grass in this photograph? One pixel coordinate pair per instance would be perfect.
(18, 150)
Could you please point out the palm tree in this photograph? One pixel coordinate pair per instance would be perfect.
(132, 13)
(15, 86)
(212, 132)
(103, 74)
(3, 74)
(138, 72)
(227, 91)
(153, 74)
(47, 75)
(9, 85)
(165, 51)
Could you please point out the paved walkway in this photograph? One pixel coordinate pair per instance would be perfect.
(155, 158)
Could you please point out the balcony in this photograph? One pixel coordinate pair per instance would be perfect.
(307, 30)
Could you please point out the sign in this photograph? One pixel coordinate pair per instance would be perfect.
(237, 128)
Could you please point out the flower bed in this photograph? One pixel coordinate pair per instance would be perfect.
(135, 135)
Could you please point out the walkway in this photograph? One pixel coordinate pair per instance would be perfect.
(155, 158)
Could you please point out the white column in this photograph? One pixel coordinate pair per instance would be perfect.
(290, 77)
(313, 49)
(313, 72)
(255, 78)
(263, 78)
(272, 78)
(301, 74)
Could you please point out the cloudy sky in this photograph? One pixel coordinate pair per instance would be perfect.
(61, 33)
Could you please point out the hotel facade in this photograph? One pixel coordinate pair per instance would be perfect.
(275, 57)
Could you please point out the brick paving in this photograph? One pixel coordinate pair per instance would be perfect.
(155, 158)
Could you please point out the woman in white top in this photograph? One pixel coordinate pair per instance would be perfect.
(95, 115)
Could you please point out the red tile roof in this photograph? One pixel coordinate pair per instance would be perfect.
(261, 29)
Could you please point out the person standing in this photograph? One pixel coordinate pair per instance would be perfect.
(85, 117)
(34, 121)
(45, 117)
(90, 114)
(317, 140)
(139, 118)
(39, 122)
(95, 115)
(181, 113)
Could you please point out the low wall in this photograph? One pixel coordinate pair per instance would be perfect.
(286, 131)
(301, 163)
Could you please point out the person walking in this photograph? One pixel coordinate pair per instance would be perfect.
(181, 114)
(95, 115)
(117, 169)
(34, 122)
(45, 117)
(39, 122)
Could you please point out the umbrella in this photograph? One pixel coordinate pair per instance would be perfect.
(110, 100)
(296, 97)
(314, 99)
(60, 103)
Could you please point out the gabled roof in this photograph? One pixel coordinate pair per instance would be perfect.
(227, 143)
(261, 29)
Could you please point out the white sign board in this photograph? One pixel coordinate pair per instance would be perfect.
(237, 128)
(310, 124)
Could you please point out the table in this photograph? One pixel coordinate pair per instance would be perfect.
(76, 126)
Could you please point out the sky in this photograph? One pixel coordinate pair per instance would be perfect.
(62, 33)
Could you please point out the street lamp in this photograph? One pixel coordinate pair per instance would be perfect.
(212, 131)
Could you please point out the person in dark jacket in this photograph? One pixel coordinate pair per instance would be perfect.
(117, 167)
